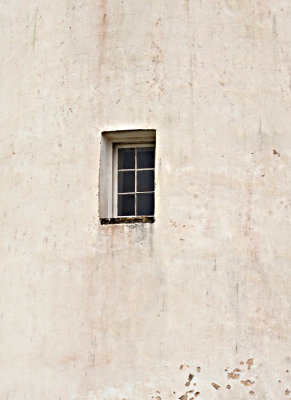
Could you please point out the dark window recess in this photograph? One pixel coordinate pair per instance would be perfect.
(146, 181)
(136, 181)
(146, 157)
(126, 181)
(145, 203)
(126, 204)
(126, 158)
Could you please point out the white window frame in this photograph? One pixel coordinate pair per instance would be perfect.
(115, 175)
(110, 141)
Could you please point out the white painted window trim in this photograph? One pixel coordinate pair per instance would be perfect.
(115, 172)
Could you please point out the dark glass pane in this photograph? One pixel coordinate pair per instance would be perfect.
(125, 205)
(145, 181)
(145, 157)
(145, 204)
(126, 158)
(126, 182)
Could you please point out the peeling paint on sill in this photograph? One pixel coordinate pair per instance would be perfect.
(127, 220)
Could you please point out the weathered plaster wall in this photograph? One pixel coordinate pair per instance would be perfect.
(114, 312)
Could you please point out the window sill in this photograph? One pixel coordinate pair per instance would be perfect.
(127, 220)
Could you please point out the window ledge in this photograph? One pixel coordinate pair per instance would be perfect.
(127, 220)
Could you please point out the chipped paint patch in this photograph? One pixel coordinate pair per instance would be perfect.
(247, 382)
(233, 375)
(250, 363)
(215, 385)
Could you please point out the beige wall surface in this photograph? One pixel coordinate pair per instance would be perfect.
(91, 312)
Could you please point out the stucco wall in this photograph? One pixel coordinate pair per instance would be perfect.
(91, 312)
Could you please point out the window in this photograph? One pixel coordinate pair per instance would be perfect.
(135, 183)
(127, 176)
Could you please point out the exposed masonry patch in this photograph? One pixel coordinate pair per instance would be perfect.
(193, 391)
